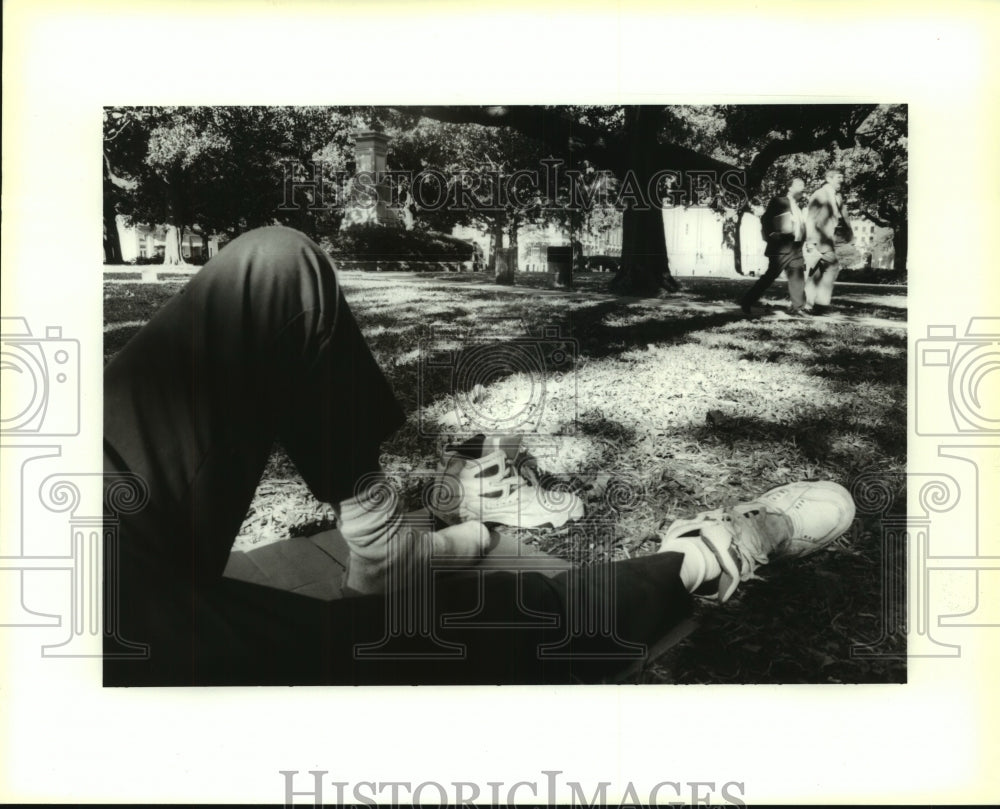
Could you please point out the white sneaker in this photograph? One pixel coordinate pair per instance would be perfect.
(496, 489)
(793, 520)
(820, 511)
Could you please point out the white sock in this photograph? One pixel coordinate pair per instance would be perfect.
(369, 522)
(699, 565)
(392, 549)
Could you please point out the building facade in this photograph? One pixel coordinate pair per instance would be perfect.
(148, 242)
(696, 244)
(694, 238)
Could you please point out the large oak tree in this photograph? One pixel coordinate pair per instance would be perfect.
(641, 143)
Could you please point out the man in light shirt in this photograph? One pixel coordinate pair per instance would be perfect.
(826, 224)
(783, 226)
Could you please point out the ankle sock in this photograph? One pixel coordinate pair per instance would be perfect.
(370, 522)
(699, 565)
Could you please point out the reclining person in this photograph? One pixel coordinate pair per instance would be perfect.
(261, 346)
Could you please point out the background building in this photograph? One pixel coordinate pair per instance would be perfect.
(696, 244)
(148, 242)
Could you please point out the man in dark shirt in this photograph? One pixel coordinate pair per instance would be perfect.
(783, 228)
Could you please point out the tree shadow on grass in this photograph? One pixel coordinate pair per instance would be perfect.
(848, 355)
(423, 377)
(855, 366)
(851, 354)
(813, 433)
(607, 341)
(594, 424)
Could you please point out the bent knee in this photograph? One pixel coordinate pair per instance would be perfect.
(281, 257)
(275, 245)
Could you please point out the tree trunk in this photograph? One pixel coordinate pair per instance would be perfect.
(112, 240)
(172, 246)
(496, 241)
(738, 243)
(202, 234)
(900, 246)
(644, 268)
(564, 277)
(507, 258)
(506, 262)
(172, 238)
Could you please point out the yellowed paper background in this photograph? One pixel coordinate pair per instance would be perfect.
(63, 738)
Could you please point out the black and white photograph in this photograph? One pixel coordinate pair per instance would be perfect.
(504, 395)
(561, 403)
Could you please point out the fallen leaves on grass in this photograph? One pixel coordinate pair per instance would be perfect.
(669, 407)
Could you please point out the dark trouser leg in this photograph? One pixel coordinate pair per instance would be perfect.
(584, 625)
(261, 345)
(258, 345)
(760, 287)
(233, 633)
(797, 288)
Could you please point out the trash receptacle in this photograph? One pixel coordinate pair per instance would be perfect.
(560, 260)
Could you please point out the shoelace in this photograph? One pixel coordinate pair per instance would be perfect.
(511, 481)
(507, 480)
(747, 529)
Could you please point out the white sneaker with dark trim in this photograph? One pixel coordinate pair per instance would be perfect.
(792, 520)
(498, 487)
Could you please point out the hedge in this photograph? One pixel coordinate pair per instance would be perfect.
(376, 242)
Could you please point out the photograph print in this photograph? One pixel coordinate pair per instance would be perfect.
(460, 395)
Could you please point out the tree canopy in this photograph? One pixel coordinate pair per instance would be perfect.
(229, 169)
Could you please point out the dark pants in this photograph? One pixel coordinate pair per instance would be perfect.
(260, 346)
(788, 258)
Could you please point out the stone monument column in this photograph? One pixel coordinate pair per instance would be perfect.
(370, 198)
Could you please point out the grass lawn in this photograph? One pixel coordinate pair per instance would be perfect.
(651, 409)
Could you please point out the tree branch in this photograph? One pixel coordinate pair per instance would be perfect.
(775, 149)
(781, 147)
(119, 182)
(565, 136)
(549, 126)
(882, 223)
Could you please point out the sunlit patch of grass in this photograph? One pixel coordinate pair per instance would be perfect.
(665, 408)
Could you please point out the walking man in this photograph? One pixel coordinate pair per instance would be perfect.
(784, 229)
(826, 223)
